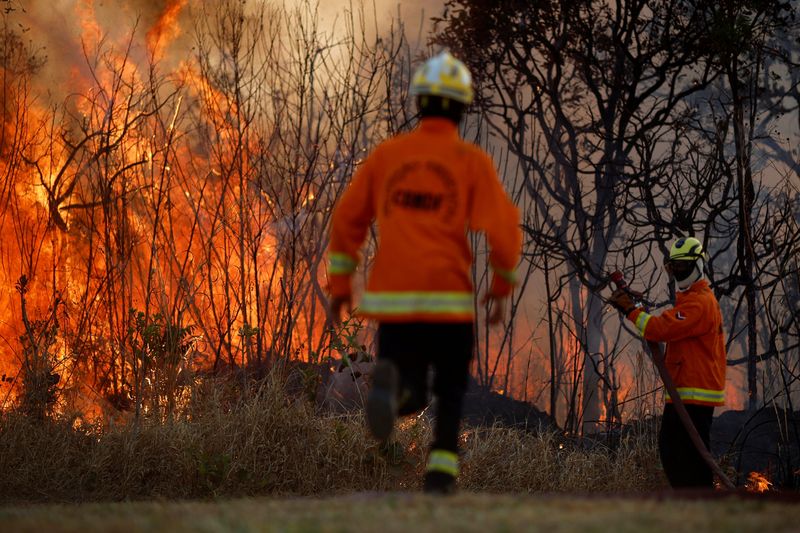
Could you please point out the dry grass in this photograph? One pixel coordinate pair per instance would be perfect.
(269, 444)
(502, 460)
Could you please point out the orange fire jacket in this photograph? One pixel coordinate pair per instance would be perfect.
(695, 356)
(426, 189)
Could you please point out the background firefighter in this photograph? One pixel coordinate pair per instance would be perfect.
(425, 189)
(695, 359)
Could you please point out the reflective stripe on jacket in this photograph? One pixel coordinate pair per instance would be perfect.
(695, 355)
(426, 189)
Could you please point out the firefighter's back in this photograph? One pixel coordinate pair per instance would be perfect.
(423, 186)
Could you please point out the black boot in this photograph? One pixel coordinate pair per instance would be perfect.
(382, 400)
(442, 470)
(439, 483)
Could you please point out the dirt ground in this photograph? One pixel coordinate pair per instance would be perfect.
(396, 512)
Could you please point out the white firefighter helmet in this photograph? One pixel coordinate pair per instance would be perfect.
(443, 75)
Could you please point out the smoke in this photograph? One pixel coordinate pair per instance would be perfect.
(70, 34)
(166, 27)
(416, 14)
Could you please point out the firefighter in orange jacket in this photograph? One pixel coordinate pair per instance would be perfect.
(695, 359)
(425, 189)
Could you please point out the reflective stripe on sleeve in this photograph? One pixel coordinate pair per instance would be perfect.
(416, 302)
(508, 275)
(641, 322)
(700, 395)
(443, 461)
(339, 263)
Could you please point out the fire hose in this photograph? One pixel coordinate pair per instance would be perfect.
(659, 360)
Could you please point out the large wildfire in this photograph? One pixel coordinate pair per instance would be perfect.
(165, 193)
(168, 172)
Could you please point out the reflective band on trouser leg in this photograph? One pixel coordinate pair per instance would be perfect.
(700, 395)
(443, 461)
(508, 275)
(641, 322)
(339, 263)
(389, 303)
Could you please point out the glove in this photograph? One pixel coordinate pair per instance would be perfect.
(496, 308)
(622, 301)
(338, 304)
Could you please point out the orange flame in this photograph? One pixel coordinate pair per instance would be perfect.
(757, 482)
(165, 29)
(81, 225)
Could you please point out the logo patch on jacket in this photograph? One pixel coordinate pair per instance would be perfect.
(417, 200)
(680, 316)
(421, 186)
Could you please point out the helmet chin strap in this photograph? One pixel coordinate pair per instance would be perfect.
(695, 276)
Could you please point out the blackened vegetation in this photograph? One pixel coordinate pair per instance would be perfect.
(766, 442)
(484, 407)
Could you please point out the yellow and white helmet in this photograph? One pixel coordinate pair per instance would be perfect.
(443, 75)
(686, 249)
(686, 262)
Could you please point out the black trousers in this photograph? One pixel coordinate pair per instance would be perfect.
(683, 464)
(415, 347)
